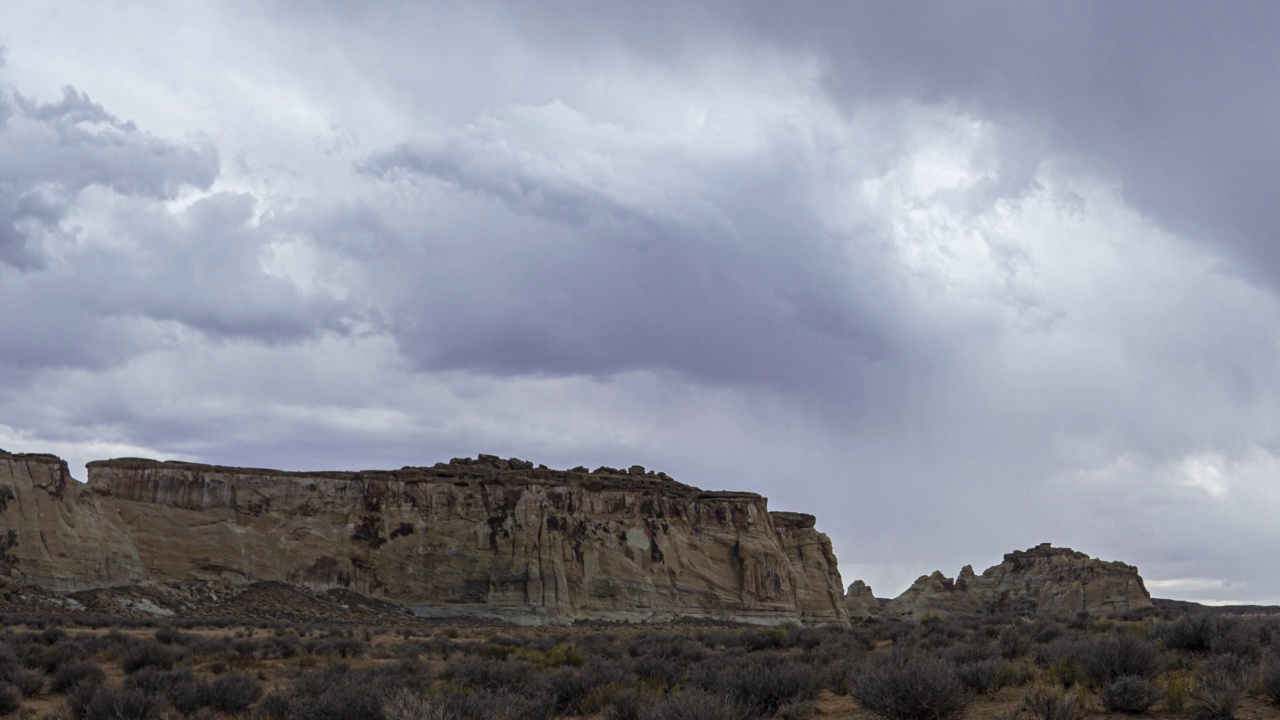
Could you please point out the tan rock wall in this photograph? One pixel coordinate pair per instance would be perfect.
(1043, 580)
(483, 537)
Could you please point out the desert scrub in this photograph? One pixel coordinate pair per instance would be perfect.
(78, 673)
(10, 700)
(910, 685)
(1270, 679)
(984, 676)
(762, 683)
(695, 705)
(1130, 694)
(1221, 687)
(1105, 659)
(1192, 633)
(1045, 703)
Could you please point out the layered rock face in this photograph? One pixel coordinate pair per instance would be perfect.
(486, 537)
(860, 602)
(1041, 581)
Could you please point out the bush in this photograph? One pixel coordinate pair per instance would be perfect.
(761, 684)
(910, 685)
(169, 635)
(73, 674)
(628, 704)
(490, 674)
(695, 705)
(1216, 702)
(1052, 704)
(147, 654)
(1241, 639)
(1190, 633)
(111, 703)
(1015, 643)
(29, 682)
(332, 694)
(10, 702)
(406, 705)
(1270, 680)
(1109, 658)
(231, 693)
(1130, 694)
(662, 670)
(983, 676)
(1220, 689)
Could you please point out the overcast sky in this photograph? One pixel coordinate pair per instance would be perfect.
(956, 277)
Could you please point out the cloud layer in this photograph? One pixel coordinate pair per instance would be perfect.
(958, 279)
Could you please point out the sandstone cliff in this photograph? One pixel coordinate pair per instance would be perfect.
(860, 602)
(1041, 581)
(487, 537)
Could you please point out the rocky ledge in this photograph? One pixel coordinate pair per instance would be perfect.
(486, 537)
(1043, 580)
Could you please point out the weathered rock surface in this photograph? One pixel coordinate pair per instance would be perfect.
(487, 537)
(860, 602)
(1041, 581)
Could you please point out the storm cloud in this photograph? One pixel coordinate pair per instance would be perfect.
(958, 278)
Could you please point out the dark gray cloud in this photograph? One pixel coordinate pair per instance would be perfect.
(959, 277)
(1173, 98)
(723, 274)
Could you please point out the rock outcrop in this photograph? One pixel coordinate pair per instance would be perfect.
(486, 537)
(860, 602)
(1041, 581)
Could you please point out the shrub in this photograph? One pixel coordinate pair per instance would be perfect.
(73, 674)
(1240, 639)
(1216, 702)
(1045, 630)
(29, 682)
(664, 671)
(147, 654)
(231, 693)
(567, 689)
(1044, 703)
(334, 694)
(1220, 689)
(490, 674)
(111, 703)
(1190, 633)
(1130, 694)
(983, 676)
(1015, 643)
(628, 704)
(909, 685)
(405, 705)
(10, 702)
(762, 684)
(1270, 680)
(169, 635)
(1109, 658)
(695, 705)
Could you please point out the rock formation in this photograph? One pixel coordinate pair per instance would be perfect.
(486, 537)
(860, 602)
(1041, 581)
